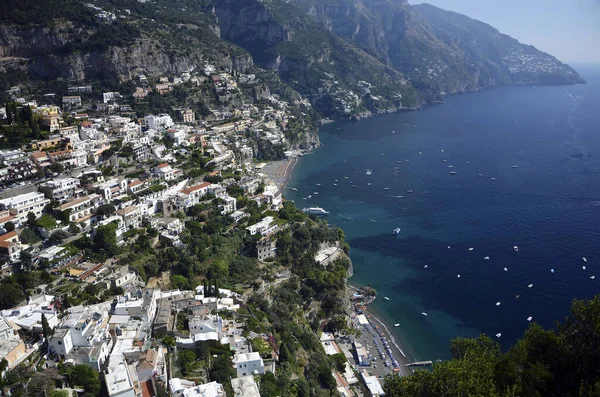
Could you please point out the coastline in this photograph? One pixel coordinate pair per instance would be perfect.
(381, 334)
(281, 173)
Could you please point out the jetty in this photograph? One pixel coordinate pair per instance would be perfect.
(419, 363)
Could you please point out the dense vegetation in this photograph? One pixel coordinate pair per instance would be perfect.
(546, 363)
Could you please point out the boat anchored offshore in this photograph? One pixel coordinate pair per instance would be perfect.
(396, 231)
(516, 248)
(315, 211)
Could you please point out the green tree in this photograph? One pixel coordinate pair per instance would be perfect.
(105, 240)
(9, 226)
(83, 375)
(31, 220)
(10, 296)
(105, 210)
(59, 236)
(46, 329)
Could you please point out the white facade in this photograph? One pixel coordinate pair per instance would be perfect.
(229, 206)
(23, 204)
(245, 386)
(248, 364)
(61, 343)
(162, 121)
(186, 388)
(265, 227)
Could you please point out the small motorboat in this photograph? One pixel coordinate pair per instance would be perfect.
(396, 325)
(396, 231)
(516, 248)
(584, 259)
(386, 298)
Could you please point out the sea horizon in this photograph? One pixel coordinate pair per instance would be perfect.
(539, 146)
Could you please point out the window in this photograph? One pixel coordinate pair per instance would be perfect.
(60, 342)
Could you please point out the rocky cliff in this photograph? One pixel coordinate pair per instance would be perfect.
(340, 79)
(439, 51)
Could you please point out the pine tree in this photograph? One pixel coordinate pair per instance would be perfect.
(46, 327)
(9, 114)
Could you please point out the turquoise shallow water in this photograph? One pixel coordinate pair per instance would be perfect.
(549, 205)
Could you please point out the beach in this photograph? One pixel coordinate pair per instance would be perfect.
(378, 340)
(280, 171)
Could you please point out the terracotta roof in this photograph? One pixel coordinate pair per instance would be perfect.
(74, 202)
(127, 210)
(9, 218)
(136, 183)
(147, 389)
(163, 165)
(8, 235)
(6, 244)
(39, 154)
(195, 188)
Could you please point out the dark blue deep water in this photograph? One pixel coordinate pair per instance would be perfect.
(549, 206)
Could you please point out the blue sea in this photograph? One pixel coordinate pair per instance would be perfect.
(548, 206)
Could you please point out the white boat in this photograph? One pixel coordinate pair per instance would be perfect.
(487, 258)
(424, 313)
(335, 184)
(516, 248)
(492, 179)
(318, 184)
(294, 189)
(386, 188)
(314, 211)
(409, 191)
(397, 325)
(592, 277)
(396, 231)
(471, 249)
(530, 285)
(584, 259)
(505, 269)
(452, 172)
(514, 166)
(498, 335)
(369, 172)
(529, 318)
(386, 298)
(498, 303)
(583, 267)
(552, 270)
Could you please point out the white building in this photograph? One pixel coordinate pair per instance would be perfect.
(186, 388)
(249, 364)
(80, 209)
(119, 382)
(229, 206)
(245, 386)
(61, 343)
(21, 205)
(176, 135)
(265, 227)
(191, 196)
(162, 121)
(110, 96)
(199, 325)
(164, 171)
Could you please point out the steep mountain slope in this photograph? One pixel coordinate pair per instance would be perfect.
(117, 40)
(79, 40)
(337, 77)
(439, 51)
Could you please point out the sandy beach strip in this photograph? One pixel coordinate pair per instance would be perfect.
(381, 329)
